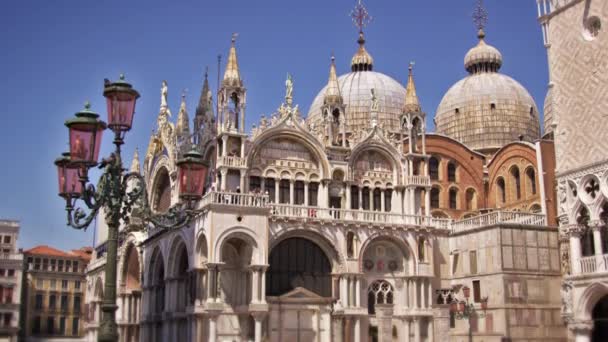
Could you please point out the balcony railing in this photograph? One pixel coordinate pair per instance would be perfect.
(594, 264)
(235, 199)
(418, 180)
(348, 215)
(301, 212)
(498, 217)
(231, 161)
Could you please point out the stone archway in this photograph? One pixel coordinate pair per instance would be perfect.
(298, 262)
(600, 320)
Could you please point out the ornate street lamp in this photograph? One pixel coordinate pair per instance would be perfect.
(112, 193)
(464, 310)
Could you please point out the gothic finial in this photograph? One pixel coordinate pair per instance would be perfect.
(411, 66)
(135, 167)
(360, 16)
(480, 18)
(232, 74)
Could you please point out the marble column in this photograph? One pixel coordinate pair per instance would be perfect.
(360, 198)
(277, 181)
(306, 203)
(405, 333)
(417, 322)
(429, 334)
(357, 331)
(254, 284)
(348, 196)
(258, 327)
(596, 226)
(575, 232)
(224, 145)
(382, 204)
(212, 328)
(357, 292)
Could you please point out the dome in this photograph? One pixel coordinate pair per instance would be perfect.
(355, 88)
(483, 55)
(486, 110)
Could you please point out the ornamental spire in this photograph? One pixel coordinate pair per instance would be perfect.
(412, 104)
(135, 162)
(332, 93)
(362, 60)
(232, 76)
(183, 126)
(205, 102)
(480, 19)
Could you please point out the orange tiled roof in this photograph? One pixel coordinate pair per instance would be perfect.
(83, 253)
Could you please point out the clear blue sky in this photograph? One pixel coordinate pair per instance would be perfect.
(55, 55)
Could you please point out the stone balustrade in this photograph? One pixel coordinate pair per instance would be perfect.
(594, 264)
(231, 161)
(418, 180)
(498, 217)
(234, 199)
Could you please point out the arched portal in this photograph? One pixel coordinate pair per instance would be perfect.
(157, 288)
(131, 294)
(600, 320)
(234, 276)
(298, 262)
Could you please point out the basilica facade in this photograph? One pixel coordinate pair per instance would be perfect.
(352, 223)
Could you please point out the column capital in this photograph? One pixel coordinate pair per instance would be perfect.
(596, 224)
(584, 327)
(575, 230)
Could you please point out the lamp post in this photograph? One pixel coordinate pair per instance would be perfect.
(465, 310)
(112, 193)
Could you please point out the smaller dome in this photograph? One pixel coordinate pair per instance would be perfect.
(482, 57)
(362, 60)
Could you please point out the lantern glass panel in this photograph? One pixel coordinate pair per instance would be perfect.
(69, 182)
(85, 141)
(121, 107)
(192, 180)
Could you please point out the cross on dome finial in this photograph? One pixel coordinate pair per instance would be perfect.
(480, 16)
(234, 36)
(411, 67)
(360, 16)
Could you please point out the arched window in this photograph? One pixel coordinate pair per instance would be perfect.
(588, 247)
(531, 178)
(298, 262)
(516, 182)
(379, 292)
(162, 192)
(377, 199)
(453, 198)
(451, 172)
(435, 198)
(434, 168)
(421, 246)
(471, 199)
(366, 200)
(269, 188)
(299, 192)
(500, 191)
(284, 191)
(350, 244)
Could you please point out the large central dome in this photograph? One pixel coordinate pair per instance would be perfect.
(355, 88)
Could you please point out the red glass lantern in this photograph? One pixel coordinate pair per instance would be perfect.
(467, 291)
(192, 176)
(484, 304)
(69, 182)
(120, 100)
(85, 136)
(461, 306)
(454, 306)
